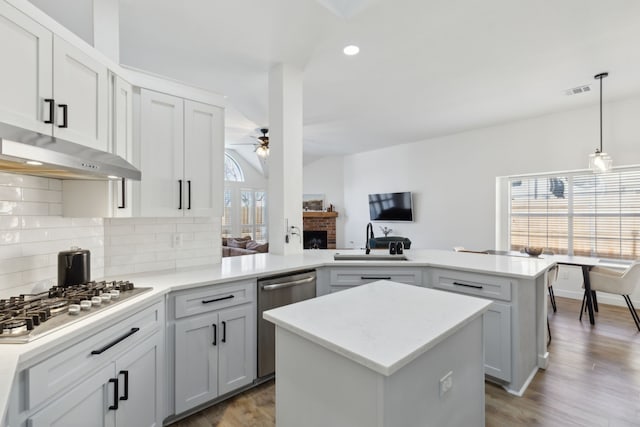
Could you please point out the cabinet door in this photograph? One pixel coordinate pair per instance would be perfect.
(196, 361)
(237, 364)
(497, 341)
(85, 405)
(161, 154)
(140, 386)
(122, 142)
(81, 83)
(203, 159)
(25, 74)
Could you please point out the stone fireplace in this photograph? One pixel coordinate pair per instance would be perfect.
(319, 226)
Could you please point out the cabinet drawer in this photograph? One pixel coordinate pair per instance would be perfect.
(73, 364)
(352, 276)
(493, 287)
(202, 300)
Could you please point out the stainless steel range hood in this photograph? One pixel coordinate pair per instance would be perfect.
(32, 153)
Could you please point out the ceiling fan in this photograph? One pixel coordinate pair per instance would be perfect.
(262, 145)
(262, 150)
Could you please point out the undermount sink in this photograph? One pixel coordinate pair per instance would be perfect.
(370, 257)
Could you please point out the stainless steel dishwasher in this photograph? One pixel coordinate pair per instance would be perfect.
(276, 291)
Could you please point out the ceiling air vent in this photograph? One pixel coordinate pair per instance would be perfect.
(578, 89)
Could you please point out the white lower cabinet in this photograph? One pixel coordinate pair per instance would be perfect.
(122, 394)
(497, 341)
(335, 279)
(215, 352)
(85, 405)
(138, 373)
(111, 377)
(513, 347)
(236, 358)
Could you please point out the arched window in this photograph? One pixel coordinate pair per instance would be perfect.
(244, 205)
(232, 170)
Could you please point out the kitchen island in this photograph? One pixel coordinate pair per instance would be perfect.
(383, 354)
(516, 287)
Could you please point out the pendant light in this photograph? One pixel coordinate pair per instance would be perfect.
(600, 161)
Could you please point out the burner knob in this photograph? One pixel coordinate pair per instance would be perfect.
(29, 322)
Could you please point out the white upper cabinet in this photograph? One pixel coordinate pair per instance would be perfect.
(181, 152)
(122, 140)
(25, 74)
(50, 86)
(161, 154)
(80, 91)
(203, 136)
(88, 198)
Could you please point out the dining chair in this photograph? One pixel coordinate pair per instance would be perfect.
(616, 282)
(552, 276)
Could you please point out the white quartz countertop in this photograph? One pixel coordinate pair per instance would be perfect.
(383, 325)
(12, 356)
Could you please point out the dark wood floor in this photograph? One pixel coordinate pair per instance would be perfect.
(593, 379)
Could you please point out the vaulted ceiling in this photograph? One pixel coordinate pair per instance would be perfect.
(426, 67)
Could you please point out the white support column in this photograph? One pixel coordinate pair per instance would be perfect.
(106, 28)
(285, 160)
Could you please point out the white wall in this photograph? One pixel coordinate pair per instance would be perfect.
(454, 177)
(76, 15)
(326, 176)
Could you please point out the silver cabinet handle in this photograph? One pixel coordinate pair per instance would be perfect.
(287, 284)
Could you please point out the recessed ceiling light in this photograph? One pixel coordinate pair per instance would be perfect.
(351, 50)
(33, 163)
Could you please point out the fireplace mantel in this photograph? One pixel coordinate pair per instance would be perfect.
(318, 214)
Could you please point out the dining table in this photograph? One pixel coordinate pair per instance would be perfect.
(584, 262)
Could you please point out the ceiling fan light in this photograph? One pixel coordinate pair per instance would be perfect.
(262, 151)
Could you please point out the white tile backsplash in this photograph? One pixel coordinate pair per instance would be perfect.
(33, 231)
(148, 244)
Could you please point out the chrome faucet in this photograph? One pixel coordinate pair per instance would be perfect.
(369, 236)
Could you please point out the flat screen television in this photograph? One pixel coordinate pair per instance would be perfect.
(391, 207)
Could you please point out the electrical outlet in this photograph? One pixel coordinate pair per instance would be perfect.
(178, 238)
(446, 383)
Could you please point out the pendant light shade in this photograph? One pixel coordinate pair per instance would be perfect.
(600, 161)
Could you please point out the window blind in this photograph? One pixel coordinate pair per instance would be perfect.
(580, 214)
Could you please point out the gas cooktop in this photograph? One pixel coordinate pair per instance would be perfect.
(29, 316)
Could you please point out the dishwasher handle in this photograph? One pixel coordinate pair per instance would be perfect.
(282, 285)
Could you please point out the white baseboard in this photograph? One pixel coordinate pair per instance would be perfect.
(603, 298)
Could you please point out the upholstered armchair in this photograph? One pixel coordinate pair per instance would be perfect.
(617, 282)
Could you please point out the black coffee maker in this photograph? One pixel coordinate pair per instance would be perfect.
(74, 267)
